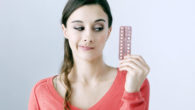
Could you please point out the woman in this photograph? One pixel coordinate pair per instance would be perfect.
(85, 81)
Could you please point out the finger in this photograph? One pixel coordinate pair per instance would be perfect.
(136, 57)
(139, 57)
(129, 69)
(137, 61)
(128, 56)
(133, 65)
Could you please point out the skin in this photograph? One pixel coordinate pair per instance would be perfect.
(90, 75)
(137, 70)
(92, 36)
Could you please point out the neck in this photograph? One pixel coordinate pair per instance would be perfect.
(88, 72)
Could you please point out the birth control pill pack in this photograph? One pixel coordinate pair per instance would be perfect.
(124, 41)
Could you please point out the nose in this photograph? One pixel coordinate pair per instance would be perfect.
(88, 36)
(88, 40)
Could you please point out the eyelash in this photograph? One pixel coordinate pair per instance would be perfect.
(82, 28)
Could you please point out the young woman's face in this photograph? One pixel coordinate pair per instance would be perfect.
(87, 26)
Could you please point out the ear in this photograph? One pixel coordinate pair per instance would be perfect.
(109, 31)
(64, 31)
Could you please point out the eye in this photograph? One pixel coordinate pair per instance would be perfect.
(79, 28)
(98, 28)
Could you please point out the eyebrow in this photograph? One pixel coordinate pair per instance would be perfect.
(79, 21)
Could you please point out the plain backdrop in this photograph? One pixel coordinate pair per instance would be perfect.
(31, 47)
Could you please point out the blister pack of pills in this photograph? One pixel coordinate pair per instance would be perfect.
(124, 41)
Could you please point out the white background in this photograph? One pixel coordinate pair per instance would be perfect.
(31, 47)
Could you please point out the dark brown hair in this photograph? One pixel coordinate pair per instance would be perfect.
(68, 61)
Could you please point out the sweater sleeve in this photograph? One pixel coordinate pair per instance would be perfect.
(33, 104)
(137, 100)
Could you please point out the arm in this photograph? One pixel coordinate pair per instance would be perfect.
(33, 104)
(137, 100)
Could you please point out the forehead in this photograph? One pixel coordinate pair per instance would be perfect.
(88, 13)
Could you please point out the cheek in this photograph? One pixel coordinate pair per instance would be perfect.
(73, 36)
(101, 41)
(102, 38)
(73, 41)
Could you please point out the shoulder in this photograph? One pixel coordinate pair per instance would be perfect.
(42, 84)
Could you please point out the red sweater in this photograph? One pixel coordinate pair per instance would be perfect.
(45, 97)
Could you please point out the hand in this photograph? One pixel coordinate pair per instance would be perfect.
(137, 71)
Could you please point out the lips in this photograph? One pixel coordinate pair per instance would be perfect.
(86, 47)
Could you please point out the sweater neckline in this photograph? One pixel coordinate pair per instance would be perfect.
(105, 96)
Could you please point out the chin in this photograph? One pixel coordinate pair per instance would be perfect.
(89, 57)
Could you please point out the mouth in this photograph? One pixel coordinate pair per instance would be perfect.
(86, 47)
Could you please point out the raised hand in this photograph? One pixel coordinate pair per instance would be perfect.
(137, 71)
